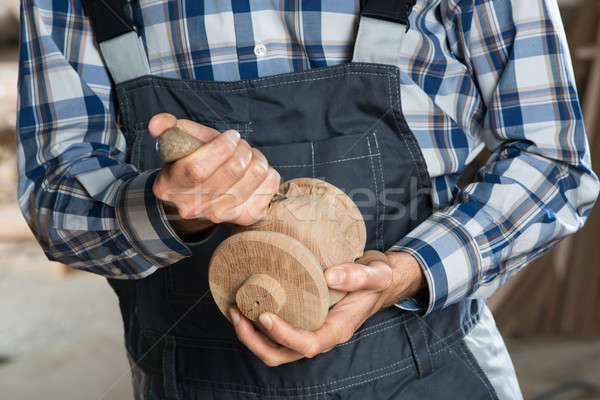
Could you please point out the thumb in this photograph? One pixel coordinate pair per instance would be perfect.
(163, 121)
(160, 123)
(352, 277)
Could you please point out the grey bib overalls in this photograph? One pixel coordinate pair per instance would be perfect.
(343, 124)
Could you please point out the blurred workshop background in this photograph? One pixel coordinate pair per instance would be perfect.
(60, 330)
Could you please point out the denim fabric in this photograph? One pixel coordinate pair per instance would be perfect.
(353, 135)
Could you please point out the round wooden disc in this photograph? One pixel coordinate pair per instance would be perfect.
(320, 216)
(280, 257)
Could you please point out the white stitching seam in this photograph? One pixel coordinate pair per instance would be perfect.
(446, 348)
(312, 154)
(263, 395)
(151, 82)
(379, 239)
(323, 163)
(382, 221)
(475, 371)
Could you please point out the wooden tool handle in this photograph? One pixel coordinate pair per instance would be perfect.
(174, 144)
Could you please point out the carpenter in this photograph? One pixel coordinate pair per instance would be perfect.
(388, 101)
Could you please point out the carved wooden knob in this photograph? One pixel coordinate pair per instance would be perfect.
(260, 293)
(277, 264)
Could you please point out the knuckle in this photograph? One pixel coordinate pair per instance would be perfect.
(228, 200)
(359, 276)
(158, 190)
(312, 350)
(235, 167)
(258, 170)
(257, 209)
(225, 147)
(258, 154)
(195, 172)
(245, 220)
(274, 177)
(186, 212)
(343, 333)
(277, 177)
(345, 336)
(212, 216)
(271, 362)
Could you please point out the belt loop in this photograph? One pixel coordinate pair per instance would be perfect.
(417, 334)
(169, 371)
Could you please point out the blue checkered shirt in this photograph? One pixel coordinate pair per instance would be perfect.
(474, 73)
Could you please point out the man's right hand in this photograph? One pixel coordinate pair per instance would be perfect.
(223, 181)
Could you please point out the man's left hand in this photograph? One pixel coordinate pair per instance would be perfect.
(373, 282)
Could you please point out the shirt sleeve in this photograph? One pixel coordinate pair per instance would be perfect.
(86, 206)
(538, 186)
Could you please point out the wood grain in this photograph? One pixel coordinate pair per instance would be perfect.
(316, 226)
(323, 218)
(283, 259)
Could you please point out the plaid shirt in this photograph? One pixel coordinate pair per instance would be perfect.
(473, 73)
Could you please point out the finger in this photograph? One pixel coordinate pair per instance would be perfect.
(258, 154)
(201, 164)
(270, 353)
(341, 323)
(256, 206)
(163, 121)
(372, 255)
(229, 176)
(160, 123)
(351, 312)
(307, 343)
(351, 277)
(202, 132)
(171, 185)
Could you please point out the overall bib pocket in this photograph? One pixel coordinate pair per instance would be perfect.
(350, 162)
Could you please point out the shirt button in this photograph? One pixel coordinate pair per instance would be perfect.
(260, 50)
(116, 271)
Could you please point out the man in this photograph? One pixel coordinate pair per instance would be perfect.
(390, 106)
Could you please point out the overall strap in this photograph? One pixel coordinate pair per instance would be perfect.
(383, 26)
(117, 37)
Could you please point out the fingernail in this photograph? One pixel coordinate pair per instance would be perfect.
(232, 135)
(335, 276)
(263, 163)
(235, 317)
(266, 321)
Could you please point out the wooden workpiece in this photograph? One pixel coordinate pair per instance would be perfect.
(277, 264)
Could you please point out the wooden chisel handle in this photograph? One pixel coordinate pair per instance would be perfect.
(174, 144)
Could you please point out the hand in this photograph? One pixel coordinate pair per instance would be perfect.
(223, 181)
(374, 281)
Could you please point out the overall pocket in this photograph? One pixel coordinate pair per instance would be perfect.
(350, 162)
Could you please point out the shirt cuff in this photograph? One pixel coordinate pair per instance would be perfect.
(142, 220)
(450, 259)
